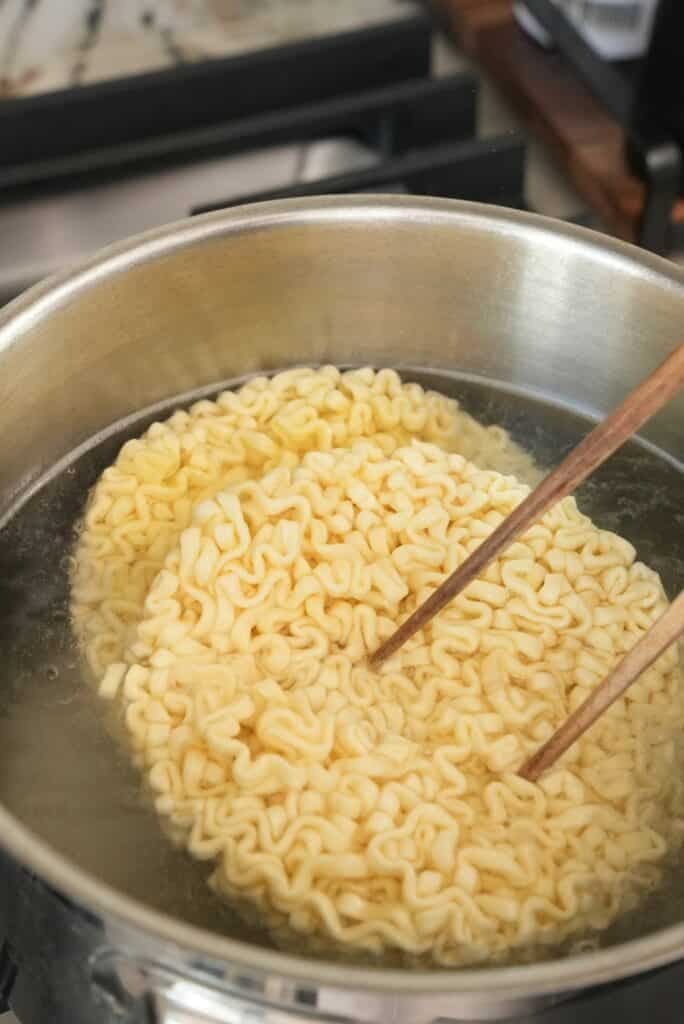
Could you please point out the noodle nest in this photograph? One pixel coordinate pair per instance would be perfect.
(376, 809)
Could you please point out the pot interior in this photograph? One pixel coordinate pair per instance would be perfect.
(61, 771)
(65, 774)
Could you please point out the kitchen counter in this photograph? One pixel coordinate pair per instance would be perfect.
(47, 46)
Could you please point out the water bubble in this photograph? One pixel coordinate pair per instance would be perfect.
(52, 672)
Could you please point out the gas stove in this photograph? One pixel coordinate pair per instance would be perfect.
(378, 104)
(347, 111)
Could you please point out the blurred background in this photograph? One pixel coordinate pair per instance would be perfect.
(122, 115)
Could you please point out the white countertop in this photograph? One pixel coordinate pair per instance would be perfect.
(54, 45)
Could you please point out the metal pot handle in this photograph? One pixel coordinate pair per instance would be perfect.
(141, 989)
(138, 989)
(184, 1002)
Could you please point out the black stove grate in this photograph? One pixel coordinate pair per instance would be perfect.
(39, 130)
(417, 111)
(484, 170)
(646, 98)
(372, 85)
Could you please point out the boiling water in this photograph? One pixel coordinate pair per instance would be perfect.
(68, 780)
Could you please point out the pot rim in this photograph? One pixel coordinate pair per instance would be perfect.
(83, 888)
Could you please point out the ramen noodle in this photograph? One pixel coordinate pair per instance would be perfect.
(382, 809)
(142, 502)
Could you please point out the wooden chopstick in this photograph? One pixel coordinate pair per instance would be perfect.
(664, 632)
(642, 403)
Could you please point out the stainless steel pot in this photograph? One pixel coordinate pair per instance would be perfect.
(558, 321)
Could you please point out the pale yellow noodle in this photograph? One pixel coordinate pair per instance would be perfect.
(141, 503)
(382, 810)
